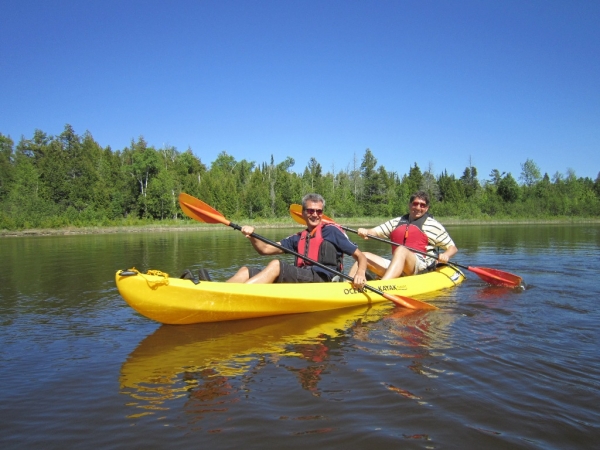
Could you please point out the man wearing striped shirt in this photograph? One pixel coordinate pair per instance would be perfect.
(415, 233)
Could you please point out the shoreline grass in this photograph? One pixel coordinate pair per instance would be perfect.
(188, 225)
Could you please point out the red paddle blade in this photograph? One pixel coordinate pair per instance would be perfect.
(200, 211)
(497, 277)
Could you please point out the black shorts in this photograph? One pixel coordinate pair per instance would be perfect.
(292, 274)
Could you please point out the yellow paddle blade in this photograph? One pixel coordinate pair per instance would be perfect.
(296, 213)
(200, 211)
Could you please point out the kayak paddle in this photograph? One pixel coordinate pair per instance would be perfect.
(491, 276)
(200, 211)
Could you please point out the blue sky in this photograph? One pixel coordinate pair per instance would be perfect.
(440, 83)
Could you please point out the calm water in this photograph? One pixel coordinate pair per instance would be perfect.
(493, 368)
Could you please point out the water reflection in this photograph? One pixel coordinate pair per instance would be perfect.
(210, 366)
(196, 361)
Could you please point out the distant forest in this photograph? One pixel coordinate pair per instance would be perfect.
(70, 180)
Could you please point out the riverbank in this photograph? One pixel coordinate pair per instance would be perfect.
(195, 226)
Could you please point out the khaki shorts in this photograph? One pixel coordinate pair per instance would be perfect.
(422, 264)
(293, 274)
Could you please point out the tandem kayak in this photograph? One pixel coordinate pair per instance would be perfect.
(168, 300)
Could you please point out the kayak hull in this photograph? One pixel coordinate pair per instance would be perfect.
(179, 301)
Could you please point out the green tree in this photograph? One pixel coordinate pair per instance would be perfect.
(344, 203)
(372, 183)
(470, 181)
(6, 165)
(357, 184)
(83, 159)
(530, 173)
(495, 177)
(430, 185)
(288, 187)
(26, 205)
(313, 173)
(190, 172)
(221, 185)
(143, 165)
(414, 180)
(451, 190)
(112, 187)
(160, 200)
(257, 202)
(508, 188)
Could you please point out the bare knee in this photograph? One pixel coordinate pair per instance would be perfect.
(376, 263)
(268, 275)
(241, 276)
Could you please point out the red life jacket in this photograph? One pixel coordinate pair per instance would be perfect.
(410, 234)
(313, 246)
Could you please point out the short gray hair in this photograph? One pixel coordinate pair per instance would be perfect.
(312, 198)
(422, 195)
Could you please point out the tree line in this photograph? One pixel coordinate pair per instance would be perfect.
(70, 180)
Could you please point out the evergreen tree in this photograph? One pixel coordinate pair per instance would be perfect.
(372, 184)
(6, 165)
(470, 181)
(313, 176)
(414, 180)
(450, 189)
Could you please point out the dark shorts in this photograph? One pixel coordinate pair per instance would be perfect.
(291, 274)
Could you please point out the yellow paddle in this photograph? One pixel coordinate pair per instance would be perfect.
(491, 276)
(200, 211)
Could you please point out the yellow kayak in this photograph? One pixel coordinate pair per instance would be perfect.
(179, 301)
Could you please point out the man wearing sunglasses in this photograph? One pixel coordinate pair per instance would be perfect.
(416, 230)
(324, 243)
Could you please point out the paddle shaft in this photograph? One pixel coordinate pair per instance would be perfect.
(306, 258)
(200, 211)
(216, 217)
(297, 217)
(486, 274)
(492, 276)
(414, 250)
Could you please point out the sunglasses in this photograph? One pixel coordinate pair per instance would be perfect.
(312, 211)
(421, 204)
